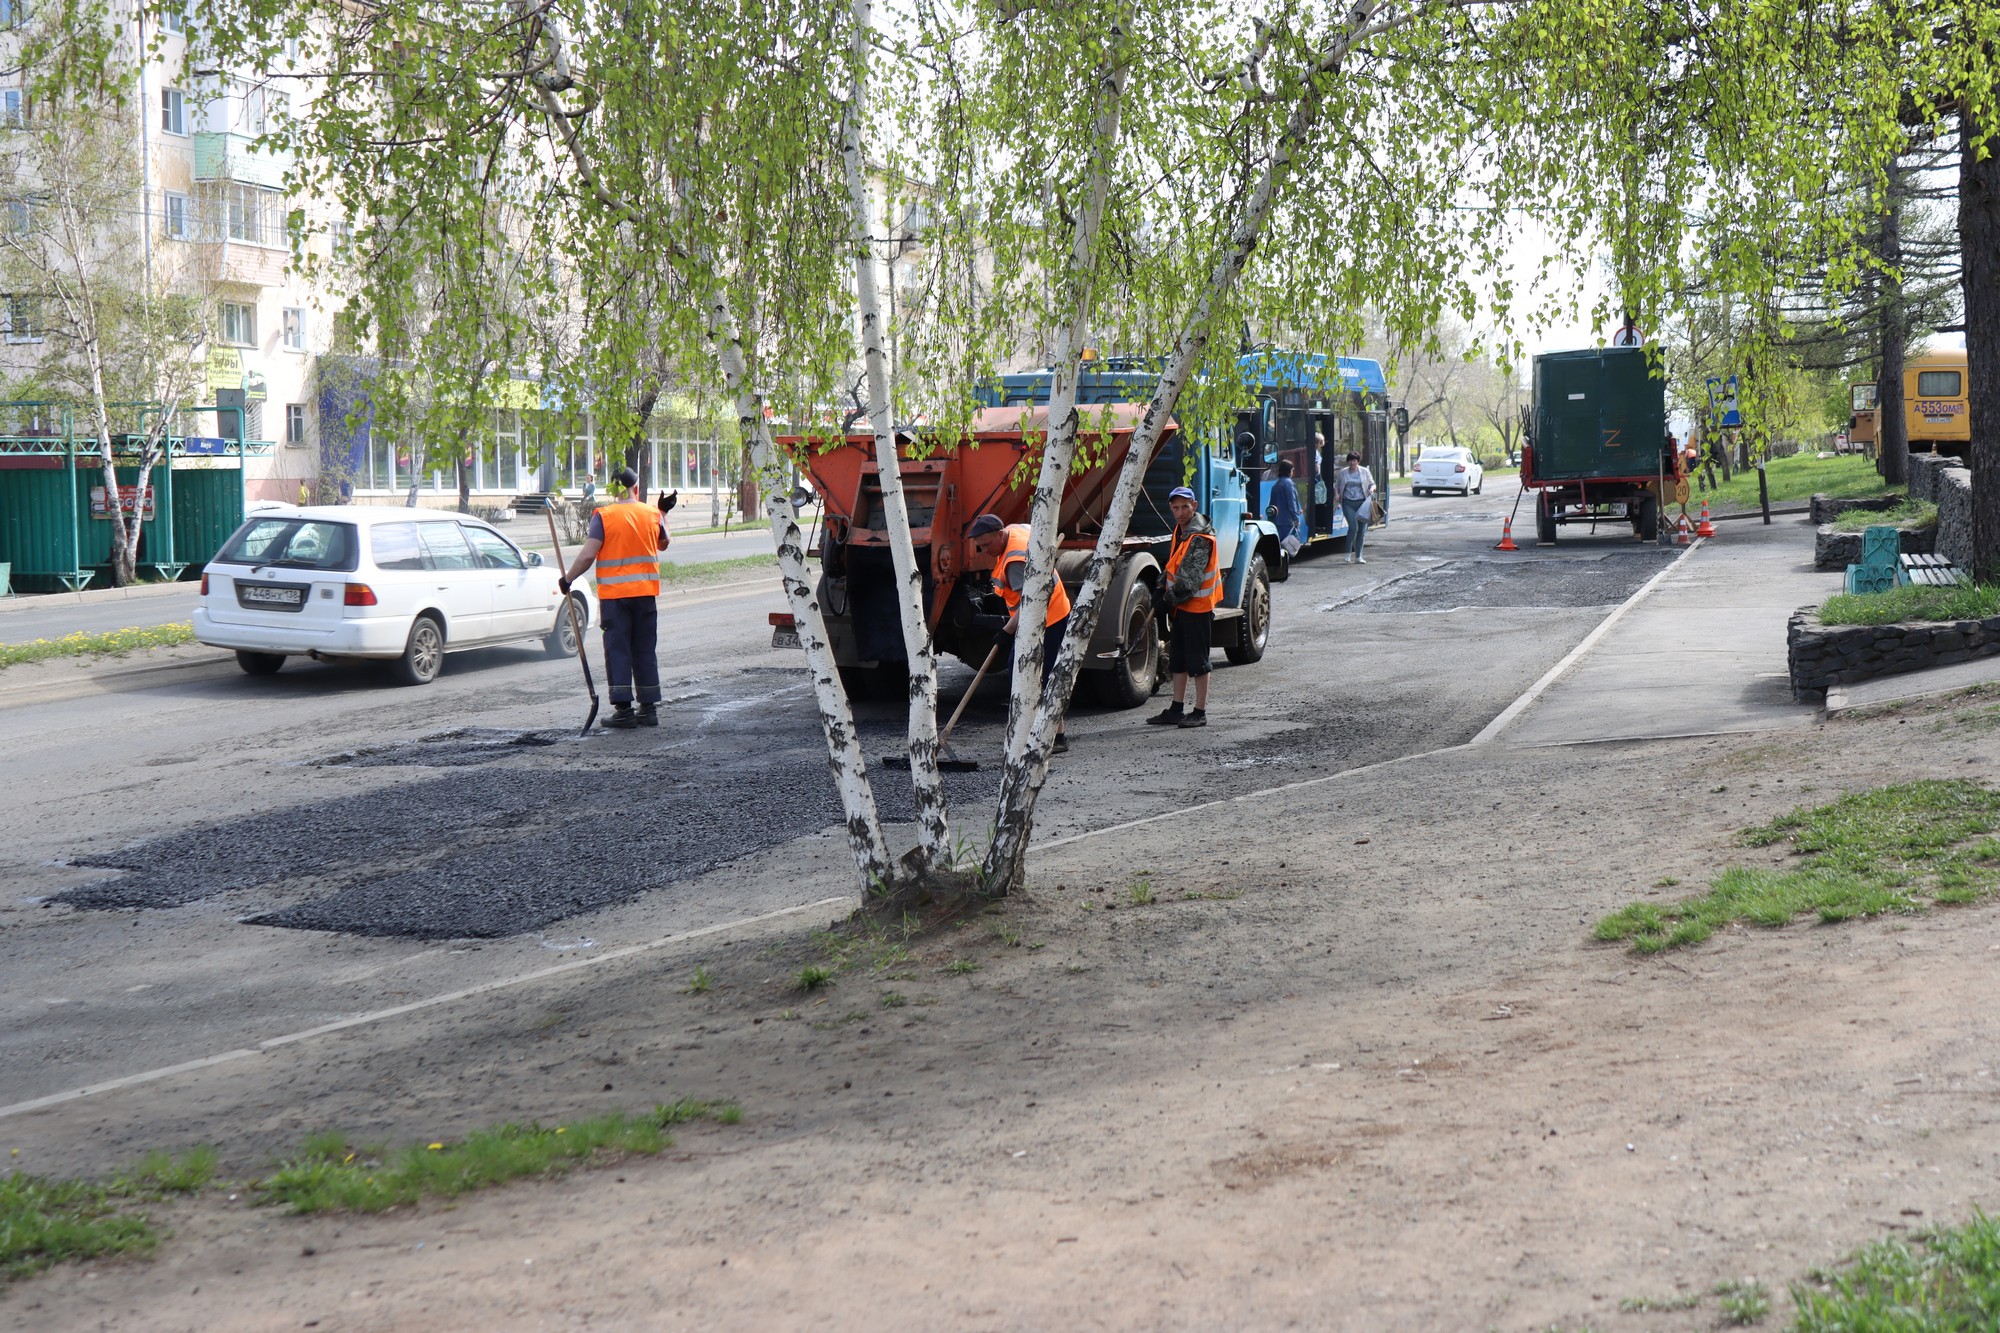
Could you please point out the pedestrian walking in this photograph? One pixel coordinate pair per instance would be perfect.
(1285, 509)
(624, 540)
(1356, 486)
(1006, 545)
(1193, 587)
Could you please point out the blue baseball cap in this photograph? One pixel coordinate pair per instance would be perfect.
(1180, 493)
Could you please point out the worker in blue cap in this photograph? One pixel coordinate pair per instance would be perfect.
(1192, 589)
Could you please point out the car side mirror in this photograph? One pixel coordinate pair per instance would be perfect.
(534, 559)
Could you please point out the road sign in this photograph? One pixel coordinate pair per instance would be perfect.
(1722, 398)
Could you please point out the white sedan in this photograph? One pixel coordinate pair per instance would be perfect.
(1447, 468)
(401, 585)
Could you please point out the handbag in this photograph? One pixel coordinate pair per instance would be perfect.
(1319, 490)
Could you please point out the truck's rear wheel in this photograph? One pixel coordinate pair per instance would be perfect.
(1253, 629)
(885, 682)
(1545, 519)
(1131, 679)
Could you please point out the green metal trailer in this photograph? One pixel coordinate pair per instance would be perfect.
(1597, 449)
(53, 528)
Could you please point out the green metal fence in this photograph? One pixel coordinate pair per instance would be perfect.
(52, 480)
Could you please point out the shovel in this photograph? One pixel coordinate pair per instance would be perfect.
(948, 761)
(575, 624)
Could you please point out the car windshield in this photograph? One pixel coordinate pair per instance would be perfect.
(292, 543)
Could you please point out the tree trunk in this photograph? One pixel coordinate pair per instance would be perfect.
(865, 839)
(933, 820)
(1024, 772)
(464, 470)
(1892, 431)
(1979, 238)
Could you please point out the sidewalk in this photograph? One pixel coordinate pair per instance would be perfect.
(1701, 654)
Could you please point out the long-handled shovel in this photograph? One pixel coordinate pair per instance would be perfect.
(575, 623)
(947, 760)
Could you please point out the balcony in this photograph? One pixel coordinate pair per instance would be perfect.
(246, 265)
(221, 156)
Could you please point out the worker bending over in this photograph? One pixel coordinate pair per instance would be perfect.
(1193, 587)
(624, 540)
(1006, 545)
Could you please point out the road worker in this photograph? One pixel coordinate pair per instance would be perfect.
(1193, 586)
(1006, 545)
(624, 540)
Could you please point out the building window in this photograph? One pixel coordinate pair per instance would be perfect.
(20, 217)
(246, 213)
(173, 20)
(175, 215)
(239, 324)
(295, 423)
(173, 109)
(23, 318)
(13, 13)
(295, 329)
(13, 104)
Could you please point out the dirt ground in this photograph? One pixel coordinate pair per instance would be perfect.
(1376, 1076)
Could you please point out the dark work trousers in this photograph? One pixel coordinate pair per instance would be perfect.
(631, 648)
(1052, 638)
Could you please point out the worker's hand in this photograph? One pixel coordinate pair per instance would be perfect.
(1013, 623)
(562, 582)
(668, 501)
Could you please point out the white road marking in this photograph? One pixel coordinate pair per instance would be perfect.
(451, 997)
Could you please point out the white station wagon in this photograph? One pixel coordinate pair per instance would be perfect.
(401, 585)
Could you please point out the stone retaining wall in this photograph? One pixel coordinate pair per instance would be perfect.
(1954, 502)
(1821, 656)
(1838, 550)
(1825, 508)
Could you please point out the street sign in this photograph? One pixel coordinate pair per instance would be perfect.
(204, 444)
(1722, 398)
(1402, 419)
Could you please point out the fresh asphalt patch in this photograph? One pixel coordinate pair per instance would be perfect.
(1600, 579)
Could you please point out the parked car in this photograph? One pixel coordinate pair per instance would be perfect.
(400, 585)
(1447, 468)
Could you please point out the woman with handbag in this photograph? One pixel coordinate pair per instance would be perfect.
(1355, 485)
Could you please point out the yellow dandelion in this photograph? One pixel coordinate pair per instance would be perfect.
(437, 1147)
(561, 1129)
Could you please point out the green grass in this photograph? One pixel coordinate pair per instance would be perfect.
(1744, 1301)
(1941, 1281)
(327, 1175)
(1797, 478)
(1965, 601)
(719, 571)
(80, 644)
(45, 1222)
(1892, 849)
(812, 976)
(1911, 514)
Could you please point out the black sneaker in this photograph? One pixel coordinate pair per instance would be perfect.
(1170, 716)
(622, 717)
(649, 715)
(1061, 746)
(1196, 717)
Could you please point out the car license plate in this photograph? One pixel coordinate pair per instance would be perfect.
(785, 638)
(271, 596)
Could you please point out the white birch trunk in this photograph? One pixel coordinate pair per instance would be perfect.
(1021, 779)
(933, 819)
(844, 758)
(1031, 711)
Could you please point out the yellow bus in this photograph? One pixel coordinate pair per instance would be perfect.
(1936, 412)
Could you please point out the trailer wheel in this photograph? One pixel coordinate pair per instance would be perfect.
(1131, 679)
(1646, 525)
(1545, 520)
(1253, 628)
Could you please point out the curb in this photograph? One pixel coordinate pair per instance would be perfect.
(40, 601)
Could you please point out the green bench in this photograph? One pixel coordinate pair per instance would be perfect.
(1879, 570)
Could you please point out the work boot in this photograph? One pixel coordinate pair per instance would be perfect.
(1061, 746)
(649, 715)
(1170, 716)
(1196, 717)
(1360, 559)
(622, 717)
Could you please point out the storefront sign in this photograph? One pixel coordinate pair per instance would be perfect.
(225, 368)
(128, 500)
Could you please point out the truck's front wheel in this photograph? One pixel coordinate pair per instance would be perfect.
(1646, 525)
(1545, 519)
(1131, 679)
(1253, 629)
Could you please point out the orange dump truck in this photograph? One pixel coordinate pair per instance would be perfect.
(992, 469)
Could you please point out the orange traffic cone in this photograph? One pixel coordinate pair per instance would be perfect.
(1507, 535)
(1705, 528)
(1681, 530)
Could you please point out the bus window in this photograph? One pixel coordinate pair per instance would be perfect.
(1938, 384)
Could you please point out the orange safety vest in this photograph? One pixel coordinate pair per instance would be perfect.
(1210, 591)
(1017, 549)
(628, 564)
